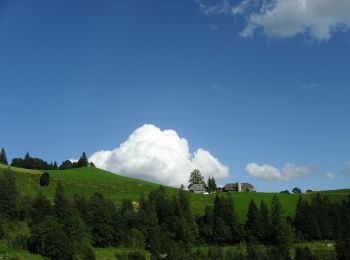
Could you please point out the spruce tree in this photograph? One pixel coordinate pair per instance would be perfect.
(62, 206)
(83, 161)
(279, 230)
(264, 223)
(3, 158)
(211, 184)
(252, 222)
(8, 195)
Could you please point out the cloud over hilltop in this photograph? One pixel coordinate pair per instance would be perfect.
(270, 173)
(159, 155)
(318, 19)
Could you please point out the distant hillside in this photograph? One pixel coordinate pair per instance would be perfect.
(87, 181)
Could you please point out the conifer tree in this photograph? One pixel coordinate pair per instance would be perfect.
(3, 158)
(8, 195)
(211, 184)
(55, 167)
(252, 222)
(264, 222)
(83, 161)
(62, 207)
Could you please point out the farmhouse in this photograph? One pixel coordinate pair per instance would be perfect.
(198, 188)
(238, 187)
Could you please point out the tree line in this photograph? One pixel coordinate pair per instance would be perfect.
(28, 162)
(69, 228)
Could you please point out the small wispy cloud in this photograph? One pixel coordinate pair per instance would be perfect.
(215, 86)
(318, 20)
(270, 173)
(213, 27)
(329, 175)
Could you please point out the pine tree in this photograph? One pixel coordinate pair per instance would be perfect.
(264, 223)
(40, 208)
(252, 222)
(55, 167)
(8, 195)
(62, 206)
(3, 158)
(83, 161)
(279, 231)
(211, 184)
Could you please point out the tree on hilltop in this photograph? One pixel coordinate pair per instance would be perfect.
(296, 190)
(196, 178)
(211, 184)
(83, 161)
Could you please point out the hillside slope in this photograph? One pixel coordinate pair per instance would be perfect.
(87, 181)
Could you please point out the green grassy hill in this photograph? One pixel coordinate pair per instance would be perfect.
(86, 181)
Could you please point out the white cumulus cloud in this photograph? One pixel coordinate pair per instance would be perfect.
(329, 175)
(160, 156)
(270, 173)
(287, 18)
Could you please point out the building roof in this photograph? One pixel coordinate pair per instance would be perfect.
(234, 186)
(198, 187)
(246, 185)
(231, 186)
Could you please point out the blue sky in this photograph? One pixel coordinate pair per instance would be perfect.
(83, 76)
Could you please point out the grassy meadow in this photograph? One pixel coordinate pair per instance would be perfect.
(87, 181)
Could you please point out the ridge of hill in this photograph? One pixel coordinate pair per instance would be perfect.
(87, 181)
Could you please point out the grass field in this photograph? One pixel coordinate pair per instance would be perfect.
(87, 181)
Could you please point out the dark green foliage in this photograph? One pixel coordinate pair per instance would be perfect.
(2, 230)
(215, 253)
(252, 223)
(196, 178)
(264, 223)
(31, 163)
(55, 167)
(320, 219)
(135, 239)
(3, 158)
(87, 252)
(20, 242)
(8, 195)
(278, 252)
(296, 190)
(285, 192)
(40, 208)
(48, 239)
(83, 161)
(44, 179)
(62, 206)
(103, 220)
(304, 254)
(211, 185)
(91, 164)
(280, 233)
(342, 248)
(66, 165)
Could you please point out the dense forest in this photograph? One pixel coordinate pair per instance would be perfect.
(164, 226)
